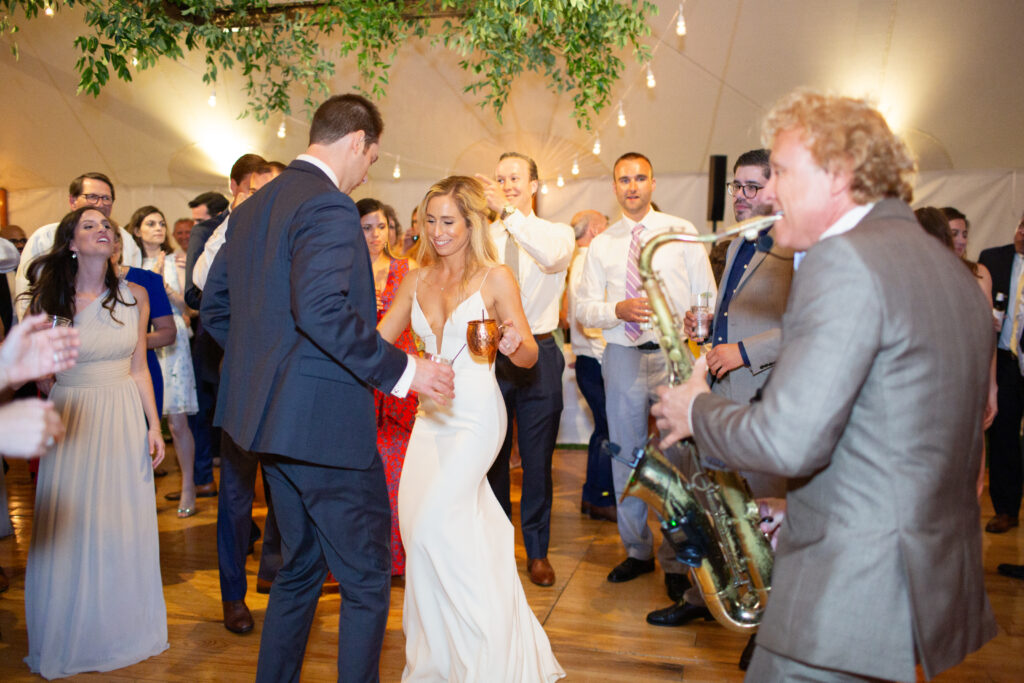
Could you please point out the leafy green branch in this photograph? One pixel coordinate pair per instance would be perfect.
(281, 47)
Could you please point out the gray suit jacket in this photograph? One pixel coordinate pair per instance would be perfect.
(755, 317)
(877, 398)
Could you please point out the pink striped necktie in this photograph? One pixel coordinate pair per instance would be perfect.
(634, 287)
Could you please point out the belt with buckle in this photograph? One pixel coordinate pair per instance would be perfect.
(648, 346)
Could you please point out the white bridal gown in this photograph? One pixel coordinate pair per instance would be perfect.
(465, 617)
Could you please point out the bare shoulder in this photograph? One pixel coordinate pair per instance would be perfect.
(500, 277)
(138, 291)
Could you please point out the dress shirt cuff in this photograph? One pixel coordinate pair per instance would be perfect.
(743, 354)
(689, 414)
(514, 223)
(401, 387)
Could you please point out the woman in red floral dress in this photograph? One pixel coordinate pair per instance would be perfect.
(395, 416)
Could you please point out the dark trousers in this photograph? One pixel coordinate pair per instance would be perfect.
(598, 489)
(234, 521)
(206, 357)
(533, 397)
(337, 519)
(1004, 447)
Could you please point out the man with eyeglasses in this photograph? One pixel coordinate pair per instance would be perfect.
(745, 336)
(89, 189)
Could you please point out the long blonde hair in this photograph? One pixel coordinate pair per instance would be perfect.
(468, 195)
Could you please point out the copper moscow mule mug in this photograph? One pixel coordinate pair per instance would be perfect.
(482, 337)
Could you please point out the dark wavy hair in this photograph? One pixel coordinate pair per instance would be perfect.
(135, 224)
(51, 276)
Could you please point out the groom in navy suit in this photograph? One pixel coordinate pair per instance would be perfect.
(291, 299)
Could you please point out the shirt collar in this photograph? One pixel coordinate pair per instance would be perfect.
(319, 163)
(848, 221)
(630, 223)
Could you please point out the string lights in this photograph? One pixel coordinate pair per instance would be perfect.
(681, 22)
(575, 167)
(597, 146)
(281, 130)
(560, 181)
(212, 101)
(650, 76)
(397, 173)
(622, 116)
(48, 11)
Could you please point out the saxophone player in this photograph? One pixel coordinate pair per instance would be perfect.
(745, 334)
(888, 517)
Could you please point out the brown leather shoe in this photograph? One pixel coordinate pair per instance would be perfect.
(1000, 524)
(540, 571)
(237, 618)
(263, 586)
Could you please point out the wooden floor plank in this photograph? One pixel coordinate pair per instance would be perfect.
(597, 629)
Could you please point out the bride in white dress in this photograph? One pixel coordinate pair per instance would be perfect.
(465, 615)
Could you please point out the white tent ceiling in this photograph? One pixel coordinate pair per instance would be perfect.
(946, 71)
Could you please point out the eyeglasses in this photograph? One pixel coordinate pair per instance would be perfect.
(18, 242)
(98, 198)
(749, 190)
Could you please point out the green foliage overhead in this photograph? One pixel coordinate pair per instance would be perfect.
(275, 46)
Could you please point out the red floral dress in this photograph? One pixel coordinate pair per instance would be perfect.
(395, 417)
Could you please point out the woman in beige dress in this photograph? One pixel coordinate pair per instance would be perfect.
(93, 593)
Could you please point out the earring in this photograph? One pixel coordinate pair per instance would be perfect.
(74, 254)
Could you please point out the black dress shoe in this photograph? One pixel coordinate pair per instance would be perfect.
(679, 614)
(676, 585)
(1014, 571)
(748, 653)
(629, 569)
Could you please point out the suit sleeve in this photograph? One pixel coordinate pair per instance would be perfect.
(833, 330)
(325, 276)
(762, 349)
(215, 311)
(196, 244)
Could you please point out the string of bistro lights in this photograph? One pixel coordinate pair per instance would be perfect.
(680, 30)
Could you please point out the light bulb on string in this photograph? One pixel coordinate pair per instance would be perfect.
(212, 101)
(543, 188)
(48, 11)
(560, 181)
(622, 117)
(575, 167)
(397, 173)
(281, 130)
(681, 22)
(135, 58)
(650, 77)
(597, 146)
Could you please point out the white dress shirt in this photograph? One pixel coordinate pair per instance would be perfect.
(586, 341)
(684, 268)
(41, 241)
(9, 256)
(545, 251)
(201, 268)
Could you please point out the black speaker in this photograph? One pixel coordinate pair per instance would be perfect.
(716, 187)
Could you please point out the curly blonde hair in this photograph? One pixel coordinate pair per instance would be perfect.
(845, 132)
(468, 195)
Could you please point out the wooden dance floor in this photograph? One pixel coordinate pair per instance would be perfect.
(597, 628)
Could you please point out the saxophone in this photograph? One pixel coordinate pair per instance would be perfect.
(711, 519)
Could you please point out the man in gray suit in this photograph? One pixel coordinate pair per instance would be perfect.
(746, 332)
(878, 565)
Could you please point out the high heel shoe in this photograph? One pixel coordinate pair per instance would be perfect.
(184, 513)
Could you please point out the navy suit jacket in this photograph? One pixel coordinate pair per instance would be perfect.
(291, 299)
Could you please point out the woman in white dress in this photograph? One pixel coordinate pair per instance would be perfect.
(149, 227)
(93, 594)
(465, 615)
